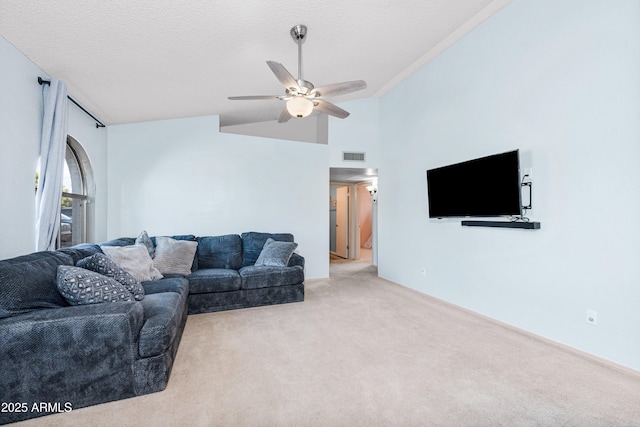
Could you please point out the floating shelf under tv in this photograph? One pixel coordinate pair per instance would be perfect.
(503, 224)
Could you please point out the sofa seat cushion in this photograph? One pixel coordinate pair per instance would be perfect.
(176, 284)
(162, 315)
(29, 282)
(255, 277)
(213, 280)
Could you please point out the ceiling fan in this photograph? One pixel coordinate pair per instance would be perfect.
(301, 96)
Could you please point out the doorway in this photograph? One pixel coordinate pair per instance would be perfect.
(353, 214)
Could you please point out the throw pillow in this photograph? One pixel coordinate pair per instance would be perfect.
(275, 253)
(145, 240)
(79, 286)
(100, 263)
(135, 260)
(174, 256)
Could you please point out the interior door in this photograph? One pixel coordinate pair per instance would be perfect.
(342, 222)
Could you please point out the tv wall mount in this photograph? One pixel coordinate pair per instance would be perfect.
(527, 185)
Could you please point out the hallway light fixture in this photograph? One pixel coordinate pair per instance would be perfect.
(373, 190)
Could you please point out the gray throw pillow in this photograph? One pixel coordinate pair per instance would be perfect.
(100, 263)
(145, 240)
(275, 253)
(135, 260)
(174, 256)
(79, 286)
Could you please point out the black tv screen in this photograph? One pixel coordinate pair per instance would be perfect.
(485, 187)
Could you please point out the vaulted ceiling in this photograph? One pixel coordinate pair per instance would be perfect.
(132, 61)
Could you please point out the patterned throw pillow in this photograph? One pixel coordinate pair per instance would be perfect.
(275, 253)
(144, 239)
(100, 263)
(133, 259)
(174, 256)
(79, 286)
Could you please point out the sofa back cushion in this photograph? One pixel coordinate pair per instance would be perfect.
(220, 252)
(28, 282)
(121, 241)
(81, 251)
(253, 242)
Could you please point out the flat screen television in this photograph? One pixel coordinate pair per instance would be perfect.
(484, 187)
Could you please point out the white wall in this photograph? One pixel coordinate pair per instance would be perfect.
(561, 82)
(20, 128)
(183, 176)
(357, 133)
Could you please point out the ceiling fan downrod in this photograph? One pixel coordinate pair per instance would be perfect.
(298, 34)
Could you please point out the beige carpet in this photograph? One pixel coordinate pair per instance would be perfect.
(361, 351)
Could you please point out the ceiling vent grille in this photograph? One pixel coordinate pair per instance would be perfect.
(354, 157)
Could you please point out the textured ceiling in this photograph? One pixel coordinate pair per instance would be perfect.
(131, 61)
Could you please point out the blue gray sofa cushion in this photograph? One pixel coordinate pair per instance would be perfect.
(162, 316)
(100, 263)
(253, 242)
(80, 286)
(81, 251)
(255, 277)
(213, 280)
(28, 282)
(220, 252)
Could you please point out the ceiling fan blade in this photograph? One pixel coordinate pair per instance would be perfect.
(257, 97)
(283, 75)
(339, 88)
(284, 116)
(329, 108)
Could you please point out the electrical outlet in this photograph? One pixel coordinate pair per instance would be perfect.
(423, 271)
(592, 317)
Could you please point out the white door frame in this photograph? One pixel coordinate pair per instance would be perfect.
(353, 251)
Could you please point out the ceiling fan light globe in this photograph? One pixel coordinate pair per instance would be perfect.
(299, 106)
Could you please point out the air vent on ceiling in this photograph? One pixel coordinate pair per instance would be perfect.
(356, 157)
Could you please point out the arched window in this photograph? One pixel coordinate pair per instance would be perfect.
(76, 184)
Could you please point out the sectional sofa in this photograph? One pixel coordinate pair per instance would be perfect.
(56, 357)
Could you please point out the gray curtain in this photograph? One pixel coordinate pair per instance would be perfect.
(53, 145)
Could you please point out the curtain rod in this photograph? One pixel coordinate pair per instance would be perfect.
(99, 124)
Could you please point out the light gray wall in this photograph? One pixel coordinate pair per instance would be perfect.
(561, 82)
(183, 176)
(357, 133)
(20, 128)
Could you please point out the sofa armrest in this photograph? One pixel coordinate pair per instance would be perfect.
(296, 259)
(56, 355)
